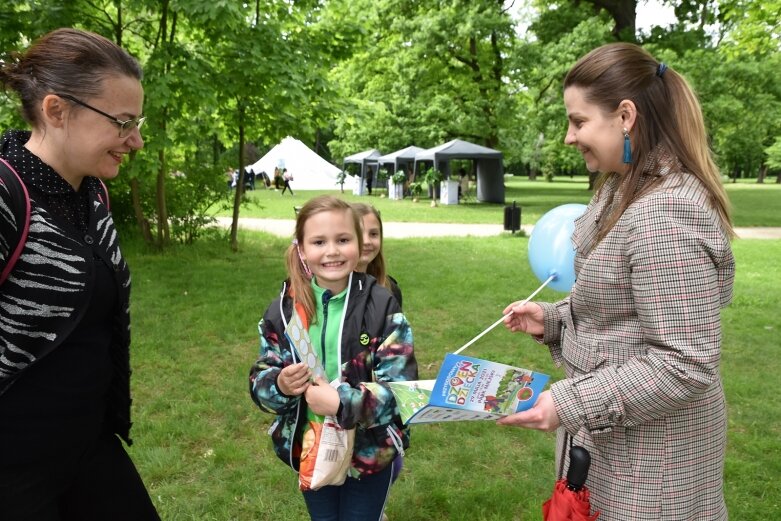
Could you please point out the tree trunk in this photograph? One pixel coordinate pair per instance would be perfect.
(163, 231)
(624, 13)
(592, 179)
(762, 174)
(143, 222)
(239, 183)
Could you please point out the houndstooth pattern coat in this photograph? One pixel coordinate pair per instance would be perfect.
(639, 338)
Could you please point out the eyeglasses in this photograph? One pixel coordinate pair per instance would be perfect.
(125, 127)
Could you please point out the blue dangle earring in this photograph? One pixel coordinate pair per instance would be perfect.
(627, 148)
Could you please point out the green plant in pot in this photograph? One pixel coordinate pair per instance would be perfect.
(341, 177)
(433, 177)
(416, 189)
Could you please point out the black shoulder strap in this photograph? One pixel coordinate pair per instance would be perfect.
(21, 208)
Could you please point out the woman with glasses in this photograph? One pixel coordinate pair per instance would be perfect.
(64, 294)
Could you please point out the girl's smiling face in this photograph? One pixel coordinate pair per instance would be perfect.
(330, 248)
(372, 240)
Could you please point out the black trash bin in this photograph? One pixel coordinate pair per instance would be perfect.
(512, 218)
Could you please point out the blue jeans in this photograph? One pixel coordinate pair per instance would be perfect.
(355, 500)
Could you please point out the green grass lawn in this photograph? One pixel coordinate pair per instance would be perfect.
(753, 204)
(201, 444)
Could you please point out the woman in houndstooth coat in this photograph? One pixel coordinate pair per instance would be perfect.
(640, 334)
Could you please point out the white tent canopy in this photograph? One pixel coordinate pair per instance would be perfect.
(309, 170)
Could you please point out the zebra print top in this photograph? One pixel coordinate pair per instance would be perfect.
(47, 292)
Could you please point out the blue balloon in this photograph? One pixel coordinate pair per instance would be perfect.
(551, 251)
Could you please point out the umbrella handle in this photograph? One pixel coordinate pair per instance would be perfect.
(579, 463)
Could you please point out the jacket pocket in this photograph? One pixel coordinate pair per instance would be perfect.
(583, 353)
(612, 446)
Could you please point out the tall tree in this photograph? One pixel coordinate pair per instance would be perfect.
(428, 71)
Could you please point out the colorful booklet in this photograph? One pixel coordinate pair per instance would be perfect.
(467, 389)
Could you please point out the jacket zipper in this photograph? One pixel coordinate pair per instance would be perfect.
(326, 297)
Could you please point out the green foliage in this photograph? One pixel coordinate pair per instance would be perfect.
(730, 87)
(416, 188)
(399, 177)
(538, 138)
(424, 73)
(358, 74)
(191, 199)
(432, 177)
(774, 154)
(341, 177)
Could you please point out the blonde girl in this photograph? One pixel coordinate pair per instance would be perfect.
(361, 335)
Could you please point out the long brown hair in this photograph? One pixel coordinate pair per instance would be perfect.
(299, 280)
(668, 114)
(376, 267)
(65, 61)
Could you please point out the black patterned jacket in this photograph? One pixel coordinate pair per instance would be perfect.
(50, 286)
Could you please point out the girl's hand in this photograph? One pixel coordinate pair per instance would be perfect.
(525, 317)
(294, 379)
(322, 398)
(542, 416)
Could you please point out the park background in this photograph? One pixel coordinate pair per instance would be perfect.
(226, 80)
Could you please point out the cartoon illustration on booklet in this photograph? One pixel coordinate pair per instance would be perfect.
(467, 388)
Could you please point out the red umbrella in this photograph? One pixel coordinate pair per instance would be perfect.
(570, 499)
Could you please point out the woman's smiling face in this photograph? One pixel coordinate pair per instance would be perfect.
(598, 136)
(93, 145)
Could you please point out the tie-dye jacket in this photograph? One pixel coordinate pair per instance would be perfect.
(376, 345)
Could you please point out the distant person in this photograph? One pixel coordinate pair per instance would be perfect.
(369, 179)
(410, 178)
(287, 177)
(64, 306)
(640, 334)
(463, 182)
(277, 178)
(363, 336)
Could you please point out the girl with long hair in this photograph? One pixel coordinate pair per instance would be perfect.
(360, 335)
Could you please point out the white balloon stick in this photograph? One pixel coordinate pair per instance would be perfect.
(489, 328)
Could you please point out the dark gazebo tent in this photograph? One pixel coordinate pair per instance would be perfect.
(490, 168)
(368, 161)
(399, 158)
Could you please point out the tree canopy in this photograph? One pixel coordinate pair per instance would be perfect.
(224, 81)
